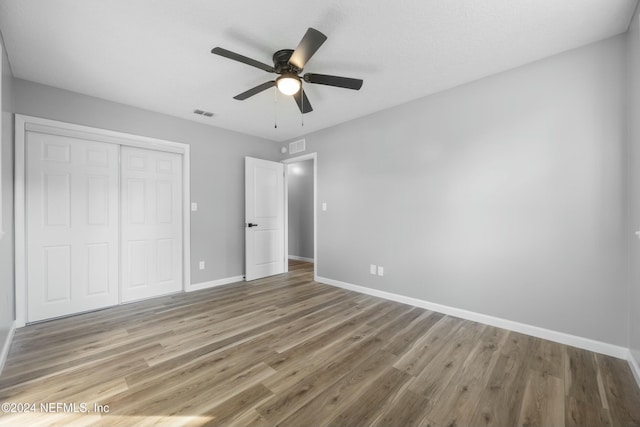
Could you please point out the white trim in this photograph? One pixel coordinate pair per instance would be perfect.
(215, 283)
(79, 131)
(635, 368)
(55, 127)
(7, 345)
(2, 108)
(19, 242)
(548, 334)
(186, 218)
(285, 225)
(302, 158)
(300, 258)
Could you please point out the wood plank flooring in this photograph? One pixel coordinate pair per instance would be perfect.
(288, 351)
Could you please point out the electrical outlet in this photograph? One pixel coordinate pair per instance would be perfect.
(201, 265)
(380, 270)
(372, 269)
(324, 206)
(194, 207)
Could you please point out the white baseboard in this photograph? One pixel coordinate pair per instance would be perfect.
(214, 283)
(548, 334)
(7, 345)
(635, 368)
(300, 258)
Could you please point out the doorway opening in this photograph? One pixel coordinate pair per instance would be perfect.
(300, 211)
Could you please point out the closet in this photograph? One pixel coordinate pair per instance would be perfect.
(103, 222)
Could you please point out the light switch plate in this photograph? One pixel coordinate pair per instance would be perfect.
(372, 269)
(201, 265)
(194, 206)
(324, 206)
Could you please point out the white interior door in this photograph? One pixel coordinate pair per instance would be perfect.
(151, 223)
(264, 218)
(72, 225)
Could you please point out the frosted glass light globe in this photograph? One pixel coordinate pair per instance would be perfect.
(288, 84)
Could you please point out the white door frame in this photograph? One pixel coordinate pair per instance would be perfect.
(314, 157)
(23, 123)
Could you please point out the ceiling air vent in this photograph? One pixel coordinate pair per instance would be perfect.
(203, 113)
(297, 147)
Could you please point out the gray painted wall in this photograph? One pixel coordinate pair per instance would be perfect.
(633, 50)
(504, 196)
(217, 167)
(300, 187)
(7, 313)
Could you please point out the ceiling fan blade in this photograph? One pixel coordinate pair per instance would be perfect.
(240, 58)
(303, 102)
(309, 44)
(254, 91)
(323, 79)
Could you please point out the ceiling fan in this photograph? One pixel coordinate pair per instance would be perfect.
(289, 64)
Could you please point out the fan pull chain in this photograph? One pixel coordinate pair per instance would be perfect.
(275, 108)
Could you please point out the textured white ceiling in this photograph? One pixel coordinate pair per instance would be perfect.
(155, 54)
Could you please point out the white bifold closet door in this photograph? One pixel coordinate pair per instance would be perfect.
(100, 229)
(72, 225)
(151, 223)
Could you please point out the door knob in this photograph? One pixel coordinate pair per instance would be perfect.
(252, 225)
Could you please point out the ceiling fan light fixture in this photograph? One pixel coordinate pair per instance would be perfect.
(288, 84)
(288, 64)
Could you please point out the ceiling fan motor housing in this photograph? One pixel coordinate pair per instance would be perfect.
(281, 62)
